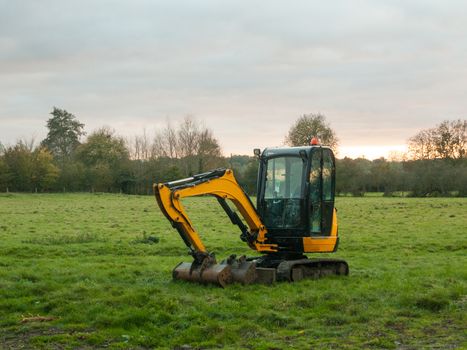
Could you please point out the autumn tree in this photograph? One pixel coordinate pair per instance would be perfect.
(19, 162)
(451, 139)
(308, 126)
(448, 140)
(44, 173)
(28, 168)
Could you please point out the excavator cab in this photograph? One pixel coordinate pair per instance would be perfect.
(295, 197)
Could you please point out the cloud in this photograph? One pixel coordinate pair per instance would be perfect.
(380, 71)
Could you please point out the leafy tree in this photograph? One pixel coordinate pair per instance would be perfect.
(103, 146)
(64, 134)
(353, 176)
(4, 171)
(308, 126)
(459, 175)
(72, 176)
(379, 179)
(5, 175)
(19, 161)
(250, 177)
(239, 162)
(107, 158)
(170, 173)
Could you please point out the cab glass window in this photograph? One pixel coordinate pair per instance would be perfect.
(283, 199)
(284, 178)
(328, 166)
(315, 192)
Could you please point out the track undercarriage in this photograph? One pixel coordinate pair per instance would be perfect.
(266, 269)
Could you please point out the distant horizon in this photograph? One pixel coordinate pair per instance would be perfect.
(366, 151)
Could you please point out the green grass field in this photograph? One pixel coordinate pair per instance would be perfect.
(90, 262)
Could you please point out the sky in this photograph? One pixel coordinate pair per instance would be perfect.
(380, 71)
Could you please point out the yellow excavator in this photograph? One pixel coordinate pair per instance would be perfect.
(294, 215)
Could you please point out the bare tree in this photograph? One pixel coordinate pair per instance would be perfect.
(188, 137)
(140, 147)
(422, 145)
(208, 150)
(165, 143)
(446, 141)
(191, 144)
(450, 139)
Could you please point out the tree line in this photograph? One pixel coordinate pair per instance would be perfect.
(69, 160)
(105, 161)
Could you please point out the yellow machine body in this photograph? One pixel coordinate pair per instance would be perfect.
(295, 214)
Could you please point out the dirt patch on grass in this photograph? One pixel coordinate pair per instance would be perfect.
(23, 339)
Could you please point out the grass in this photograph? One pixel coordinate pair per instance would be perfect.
(101, 264)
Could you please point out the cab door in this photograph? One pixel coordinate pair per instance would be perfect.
(328, 190)
(321, 191)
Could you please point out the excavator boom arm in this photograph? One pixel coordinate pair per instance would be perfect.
(222, 184)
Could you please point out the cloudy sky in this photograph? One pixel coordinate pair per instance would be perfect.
(379, 70)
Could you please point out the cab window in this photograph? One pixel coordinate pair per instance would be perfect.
(283, 199)
(328, 191)
(315, 192)
(284, 178)
(328, 166)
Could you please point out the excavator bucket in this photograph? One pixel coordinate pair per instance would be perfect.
(229, 271)
(216, 273)
(243, 271)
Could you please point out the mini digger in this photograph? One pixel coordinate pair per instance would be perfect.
(294, 215)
